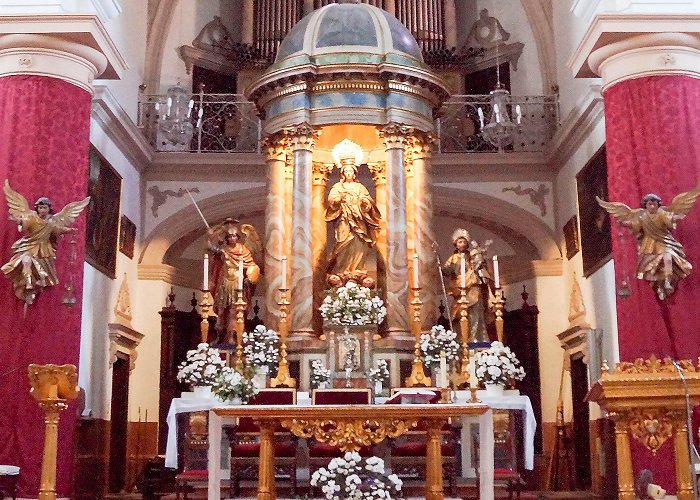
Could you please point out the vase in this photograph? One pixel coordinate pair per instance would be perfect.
(202, 391)
(260, 377)
(377, 388)
(494, 390)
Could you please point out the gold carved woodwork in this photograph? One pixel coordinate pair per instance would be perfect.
(320, 172)
(349, 434)
(302, 136)
(378, 171)
(652, 428)
(394, 135)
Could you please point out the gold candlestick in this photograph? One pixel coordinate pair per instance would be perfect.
(418, 376)
(499, 306)
(462, 377)
(240, 327)
(206, 306)
(283, 378)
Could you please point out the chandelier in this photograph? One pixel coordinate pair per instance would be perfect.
(501, 126)
(174, 117)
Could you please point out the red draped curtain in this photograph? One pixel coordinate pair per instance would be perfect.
(653, 146)
(45, 127)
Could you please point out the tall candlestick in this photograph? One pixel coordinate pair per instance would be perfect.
(205, 280)
(463, 271)
(443, 369)
(473, 382)
(415, 270)
(240, 275)
(284, 272)
(496, 276)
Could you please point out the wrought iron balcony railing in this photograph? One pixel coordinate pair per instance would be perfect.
(228, 123)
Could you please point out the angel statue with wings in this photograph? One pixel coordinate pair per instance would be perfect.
(33, 262)
(660, 257)
(232, 245)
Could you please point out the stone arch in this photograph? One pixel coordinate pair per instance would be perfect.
(540, 15)
(159, 27)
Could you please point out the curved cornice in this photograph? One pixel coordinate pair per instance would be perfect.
(539, 13)
(157, 36)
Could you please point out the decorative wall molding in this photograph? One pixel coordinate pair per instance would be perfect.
(537, 196)
(119, 127)
(530, 270)
(122, 336)
(160, 197)
(203, 167)
(586, 344)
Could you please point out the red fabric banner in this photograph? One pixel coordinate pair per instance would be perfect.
(653, 146)
(45, 128)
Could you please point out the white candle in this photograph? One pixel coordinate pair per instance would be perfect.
(205, 279)
(473, 382)
(463, 270)
(496, 276)
(443, 369)
(240, 275)
(284, 272)
(415, 270)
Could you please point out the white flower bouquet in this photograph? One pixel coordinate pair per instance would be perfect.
(319, 374)
(352, 304)
(261, 348)
(439, 340)
(498, 365)
(232, 385)
(352, 477)
(201, 366)
(378, 374)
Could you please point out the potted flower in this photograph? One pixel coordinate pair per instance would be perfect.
(200, 369)
(435, 344)
(497, 367)
(261, 352)
(352, 304)
(234, 386)
(352, 477)
(377, 376)
(320, 375)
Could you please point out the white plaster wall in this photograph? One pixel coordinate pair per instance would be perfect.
(527, 80)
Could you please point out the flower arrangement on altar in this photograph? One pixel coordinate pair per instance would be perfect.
(498, 365)
(352, 304)
(261, 348)
(234, 386)
(201, 366)
(352, 477)
(320, 375)
(437, 342)
(378, 374)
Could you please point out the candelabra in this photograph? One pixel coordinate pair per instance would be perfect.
(418, 376)
(499, 306)
(283, 378)
(462, 377)
(240, 327)
(205, 306)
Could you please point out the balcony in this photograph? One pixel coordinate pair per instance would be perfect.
(228, 123)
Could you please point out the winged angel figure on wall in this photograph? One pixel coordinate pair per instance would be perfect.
(661, 259)
(32, 266)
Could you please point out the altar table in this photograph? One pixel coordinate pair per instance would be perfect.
(350, 427)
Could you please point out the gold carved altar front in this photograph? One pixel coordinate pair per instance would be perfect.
(647, 401)
(347, 427)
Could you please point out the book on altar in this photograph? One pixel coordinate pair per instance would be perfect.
(413, 397)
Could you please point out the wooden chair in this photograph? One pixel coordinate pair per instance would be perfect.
(408, 452)
(245, 445)
(507, 467)
(195, 449)
(322, 453)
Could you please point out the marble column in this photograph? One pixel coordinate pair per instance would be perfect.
(275, 228)
(450, 24)
(378, 171)
(247, 22)
(420, 144)
(319, 180)
(394, 136)
(301, 142)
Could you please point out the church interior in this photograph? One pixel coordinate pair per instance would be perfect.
(350, 249)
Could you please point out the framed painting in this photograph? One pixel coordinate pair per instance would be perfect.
(571, 237)
(127, 236)
(596, 240)
(102, 228)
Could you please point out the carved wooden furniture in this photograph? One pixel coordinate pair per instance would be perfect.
(9, 475)
(349, 427)
(245, 445)
(408, 452)
(194, 456)
(647, 401)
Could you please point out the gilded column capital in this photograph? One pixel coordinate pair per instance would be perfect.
(288, 166)
(394, 135)
(320, 172)
(378, 171)
(275, 146)
(51, 382)
(302, 136)
(420, 144)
